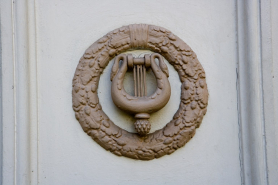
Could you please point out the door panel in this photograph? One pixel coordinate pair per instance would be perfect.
(43, 143)
(68, 156)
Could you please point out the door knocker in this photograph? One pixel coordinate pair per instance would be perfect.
(141, 145)
(140, 104)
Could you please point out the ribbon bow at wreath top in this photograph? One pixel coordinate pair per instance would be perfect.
(141, 145)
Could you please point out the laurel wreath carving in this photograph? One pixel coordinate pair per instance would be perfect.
(194, 93)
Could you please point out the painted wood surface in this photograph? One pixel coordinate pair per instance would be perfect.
(43, 143)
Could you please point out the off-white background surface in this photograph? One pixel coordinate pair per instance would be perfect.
(43, 143)
(68, 156)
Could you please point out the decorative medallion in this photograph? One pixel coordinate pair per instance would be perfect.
(141, 145)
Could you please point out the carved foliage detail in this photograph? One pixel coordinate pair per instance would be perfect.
(194, 93)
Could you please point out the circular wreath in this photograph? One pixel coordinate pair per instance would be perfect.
(194, 93)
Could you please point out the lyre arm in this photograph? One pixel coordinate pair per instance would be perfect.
(141, 104)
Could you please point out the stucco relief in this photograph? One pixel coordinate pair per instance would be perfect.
(194, 93)
(139, 104)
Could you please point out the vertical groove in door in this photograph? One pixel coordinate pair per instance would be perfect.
(33, 92)
(251, 111)
(14, 88)
(262, 97)
(238, 103)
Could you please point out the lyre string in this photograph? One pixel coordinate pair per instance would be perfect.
(139, 77)
(145, 84)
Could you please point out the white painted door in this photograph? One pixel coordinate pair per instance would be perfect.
(43, 143)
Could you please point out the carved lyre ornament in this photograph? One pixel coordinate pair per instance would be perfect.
(140, 104)
(141, 145)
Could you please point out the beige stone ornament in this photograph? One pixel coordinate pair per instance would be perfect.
(141, 145)
(140, 104)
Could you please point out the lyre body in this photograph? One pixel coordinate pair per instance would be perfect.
(140, 104)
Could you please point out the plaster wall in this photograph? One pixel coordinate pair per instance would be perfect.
(68, 156)
(43, 143)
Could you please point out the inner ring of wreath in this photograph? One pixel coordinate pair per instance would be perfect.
(194, 94)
